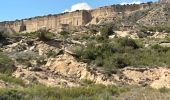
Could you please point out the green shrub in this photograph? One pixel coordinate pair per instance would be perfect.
(154, 28)
(2, 35)
(128, 42)
(11, 94)
(6, 64)
(111, 55)
(25, 57)
(164, 90)
(106, 31)
(90, 52)
(44, 35)
(93, 31)
(120, 63)
(103, 55)
(100, 38)
(25, 62)
(11, 79)
(5, 38)
(86, 82)
(142, 35)
(99, 61)
(79, 52)
(52, 54)
(32, 35)
(40, 92)
(116, 91)
(159, 48)
(64, 34)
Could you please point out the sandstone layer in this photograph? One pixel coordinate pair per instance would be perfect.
(77, 18)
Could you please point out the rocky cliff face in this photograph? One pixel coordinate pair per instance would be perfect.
(164, 1)
(160, 16)
(77, 18)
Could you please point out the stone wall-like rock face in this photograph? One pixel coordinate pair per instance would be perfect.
(67, 66)
(164, 1)
(54, 21)
(159, 16)
(77, 18)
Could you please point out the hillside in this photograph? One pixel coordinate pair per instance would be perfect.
(121, 54)
(117, 14)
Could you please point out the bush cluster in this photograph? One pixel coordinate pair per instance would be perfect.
(25, 57)
(2, 35)
(6, 64)
(12, 80)
(127, 42)
(40, 92)
(42, 35)
(121, 52)
(155, 28)
(106, 54)
(106, 31)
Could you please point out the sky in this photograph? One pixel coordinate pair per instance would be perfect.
(19, 9)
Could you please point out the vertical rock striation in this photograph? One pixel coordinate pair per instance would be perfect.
(77, 18)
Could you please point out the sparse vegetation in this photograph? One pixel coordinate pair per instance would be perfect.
(122, 52)
(142, 35)
(12, 80)
(2, 35)
(127, 42)
(6, 64)
(44, 58)
(32, 35)
(164, 90)
(155, 28)
(106, 31)
(51, 54)
(25, 57)
(86, 82)
(49, 93)
(64, 35)
(45, 35)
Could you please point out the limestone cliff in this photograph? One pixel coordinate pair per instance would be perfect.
(77, 18)
(164, 1)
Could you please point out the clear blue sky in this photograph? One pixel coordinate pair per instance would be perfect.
(18, 9)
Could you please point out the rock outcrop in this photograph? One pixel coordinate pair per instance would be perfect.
(77, 18)
(155, 77)
(164, 1)
(67, 66)
(63, 69)
(157, 16)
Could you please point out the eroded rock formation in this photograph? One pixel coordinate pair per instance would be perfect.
(77, 18)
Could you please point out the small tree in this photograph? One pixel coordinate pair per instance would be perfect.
(129, 42)
(93, 31)
(6, 64)
(44, 35)
(64, 35)
(120, 63)
(3, 35)
(106, 31)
